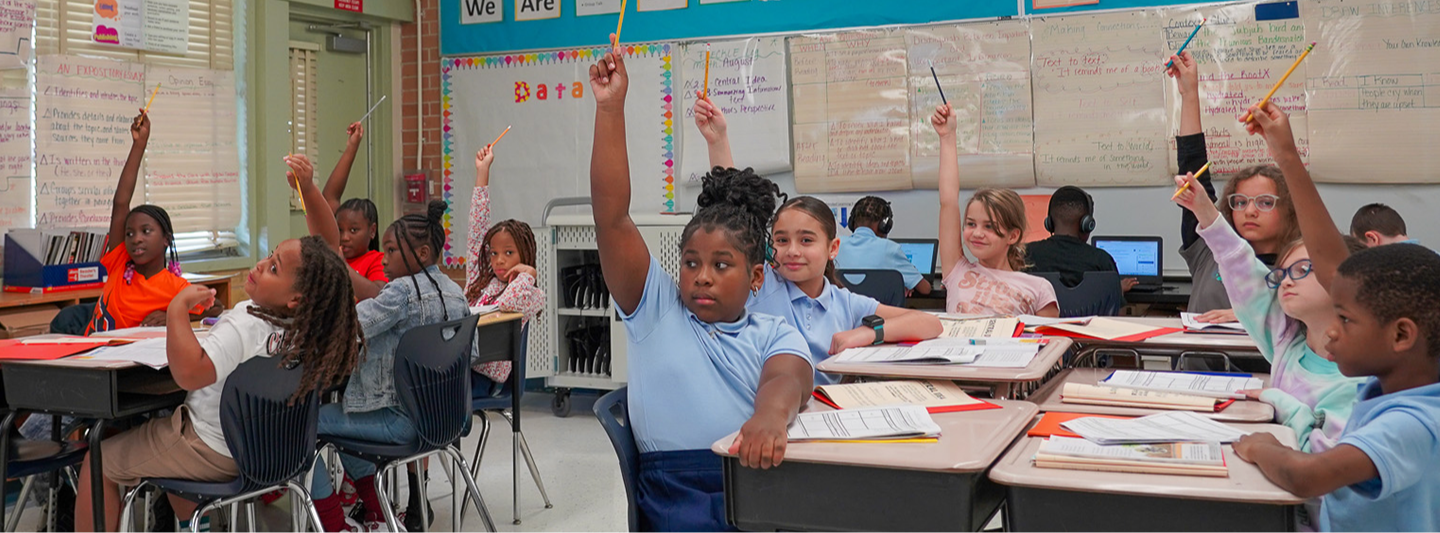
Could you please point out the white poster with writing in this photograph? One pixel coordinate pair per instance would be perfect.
(83, 111)
(153, 25)
(14, 158)
(748, 83)
(17, 18)
(192, 167)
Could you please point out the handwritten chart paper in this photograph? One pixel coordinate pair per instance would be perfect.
(17, 17)
(83, 111)
(1099, 100)
(1239, 60)
(193, 166)
(985, 71)
(1374, 91)
(14, 158)
(747, 82)
(851, 121)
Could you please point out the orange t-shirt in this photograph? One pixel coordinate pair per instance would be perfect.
(125, 305)
(369, 265)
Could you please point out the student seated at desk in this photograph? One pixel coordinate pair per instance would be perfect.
(868, 247)
(359, 222)
(1381, 476)
(1378, 225)
(1070, 220)
(299, 310)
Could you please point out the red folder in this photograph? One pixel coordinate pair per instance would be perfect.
(983, 405)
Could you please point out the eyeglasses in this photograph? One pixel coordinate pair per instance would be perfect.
(1264, 202)
(1297, 271)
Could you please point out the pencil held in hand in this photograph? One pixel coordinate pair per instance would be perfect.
(1293, 66)
(1186, 187)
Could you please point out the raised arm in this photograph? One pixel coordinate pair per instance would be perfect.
(319, 219)
(711, 122)
(335, 186)
(1190, 151)
(951, 250)
(1322, 238)
(120, 205)
(623, 255)
(479, 216)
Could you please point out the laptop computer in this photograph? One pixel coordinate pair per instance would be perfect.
(1141, 258)
(921, 253)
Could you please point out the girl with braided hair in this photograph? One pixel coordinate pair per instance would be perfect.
(701, 365)
(358, 220)
(500, 270)
(418, 294)
(300, 311)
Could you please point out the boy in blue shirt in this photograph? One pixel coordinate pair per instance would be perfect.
(868, 247)
(1381, 475)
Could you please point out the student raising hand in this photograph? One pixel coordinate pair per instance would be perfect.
(140, 128)
(943, 120)
(1185, 72)
(318, 217)
(1270, 122)
(608, 82)
(1189, 199)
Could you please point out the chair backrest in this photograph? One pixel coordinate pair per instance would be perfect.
(432, 378)
(885, 286)
(1096, 295)
(271, 439)
(613, 410)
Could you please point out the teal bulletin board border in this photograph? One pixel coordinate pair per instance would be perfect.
(748, 17)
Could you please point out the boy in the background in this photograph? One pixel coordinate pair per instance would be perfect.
(1379, 224)
(1070, 220)
(869, 248)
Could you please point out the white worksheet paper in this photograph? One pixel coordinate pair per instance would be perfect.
(149, 352)
(896, 421)
(1215, 386)
(1191, 323)
(910, 354)
(1177, 426)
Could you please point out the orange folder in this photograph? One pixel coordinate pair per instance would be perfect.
(1049, 424)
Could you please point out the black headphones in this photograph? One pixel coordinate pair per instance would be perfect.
(887, 220)
(1087, 222)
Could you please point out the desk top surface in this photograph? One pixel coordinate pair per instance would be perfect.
(1178, 340)
(1036, 370)
(1246, 483)
(970, 441)
(1048, 398)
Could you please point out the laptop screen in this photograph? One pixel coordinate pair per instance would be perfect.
(1133, 257)
(921, 254)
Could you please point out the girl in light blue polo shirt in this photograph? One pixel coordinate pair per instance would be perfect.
(701, 365)
(801, 286)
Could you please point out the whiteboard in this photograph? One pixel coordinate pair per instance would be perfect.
(749, 81)
(546, 98)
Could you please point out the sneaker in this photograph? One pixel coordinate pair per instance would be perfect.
(348, 496)
(412, 521)
(380, 526)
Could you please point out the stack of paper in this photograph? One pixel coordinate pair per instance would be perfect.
(1031, 321)
(149, 352)
(1192, 325)
(909, 354)
(1177, 458)
(934, 396)
(1195, 384)
(979, 327)
(1106, 329)
(1179, 426)
(870, 423)
(484, 309)
(1082, 393)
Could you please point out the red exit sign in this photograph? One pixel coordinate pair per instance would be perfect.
(357, 6)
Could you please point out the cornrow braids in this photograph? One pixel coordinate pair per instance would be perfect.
(740, 202)
(524, 242)
(367, 209)
(162, 217)
(323, 333)
(428, 231)
(869, 209)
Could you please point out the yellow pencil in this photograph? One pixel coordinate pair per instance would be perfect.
(707, 71)
(1186, 186)
(152, 97)
(1266, 100)
(615, 43)
(502, 135)
(298, 191)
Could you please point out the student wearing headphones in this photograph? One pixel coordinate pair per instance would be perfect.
(869, 248)
(1070, 220)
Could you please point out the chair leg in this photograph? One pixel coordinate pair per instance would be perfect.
(515, 476)
(200, 513)
(471, 486)
(457, 514)
(145, 516)
(534, 471)
(386, 504)
(14, 520)
(311, 514)
(420, 474)
(249, 516)
(480, 444)
(127, 506)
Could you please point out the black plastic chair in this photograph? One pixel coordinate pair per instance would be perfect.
(271, 439)
(1096, 295)
(613, 410)
(885, 286)
(432, 382)
(26, 459)
(509, 398)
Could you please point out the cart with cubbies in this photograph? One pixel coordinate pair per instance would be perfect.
(575, 322)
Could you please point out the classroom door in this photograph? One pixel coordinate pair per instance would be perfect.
(340, 91)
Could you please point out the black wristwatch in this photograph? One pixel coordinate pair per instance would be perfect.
(876, 323)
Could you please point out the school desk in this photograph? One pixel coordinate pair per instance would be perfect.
(1049, 499)
(938, 486)
(1013, 383)
(1176, 296)
(102, 391)
(1048, 398)
(1175, 345)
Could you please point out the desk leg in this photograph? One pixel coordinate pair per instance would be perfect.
(5, 461)
(97, 474)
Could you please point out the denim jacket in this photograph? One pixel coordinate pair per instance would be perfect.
(384, 319)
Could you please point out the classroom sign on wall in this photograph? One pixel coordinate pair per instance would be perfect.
(152, 25)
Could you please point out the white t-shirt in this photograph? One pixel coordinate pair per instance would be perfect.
(234, 339)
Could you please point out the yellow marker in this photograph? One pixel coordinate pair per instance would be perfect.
(1186, 186)
(1265, 100)
(615, 43)
(152, 97)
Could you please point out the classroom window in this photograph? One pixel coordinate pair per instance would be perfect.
(304, 108)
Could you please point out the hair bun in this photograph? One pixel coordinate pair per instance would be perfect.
(743, 189)
(435, 212)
